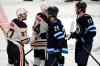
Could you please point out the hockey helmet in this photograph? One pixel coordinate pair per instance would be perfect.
(21, 12)
(53, 11)
(43, 7)
(81, 5)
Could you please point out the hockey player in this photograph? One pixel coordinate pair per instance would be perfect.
(40, 28)
(17, 37)
(56, 39)
(84, 34)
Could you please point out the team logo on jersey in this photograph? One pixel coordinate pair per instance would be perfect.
(56, 28)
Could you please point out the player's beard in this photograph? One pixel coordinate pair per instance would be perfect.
(24, 19)
(78, 11)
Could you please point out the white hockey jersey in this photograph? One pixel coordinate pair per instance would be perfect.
(18, 31)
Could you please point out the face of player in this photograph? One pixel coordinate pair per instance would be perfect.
(77, 11)
(44, 11)
(22, 16)
(44, 8)
(52, 19)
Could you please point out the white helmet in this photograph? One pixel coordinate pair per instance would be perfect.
(43, 7)
(21, 11)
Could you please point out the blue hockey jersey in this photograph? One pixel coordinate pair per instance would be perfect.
(56, 37)
(86, 28)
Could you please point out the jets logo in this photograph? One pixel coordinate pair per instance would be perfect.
(56, 28)
(90, 21)
(78, 29)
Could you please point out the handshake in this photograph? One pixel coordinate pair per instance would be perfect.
(72, 35)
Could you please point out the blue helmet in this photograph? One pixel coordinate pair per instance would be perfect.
(53, 11)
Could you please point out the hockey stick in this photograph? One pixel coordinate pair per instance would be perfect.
(29, 51)
(90, 54)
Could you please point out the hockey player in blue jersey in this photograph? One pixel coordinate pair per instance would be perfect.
(84, 34)
(56, 38)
